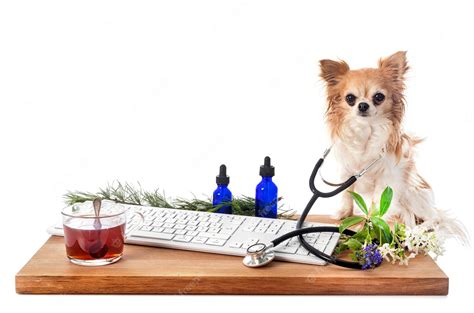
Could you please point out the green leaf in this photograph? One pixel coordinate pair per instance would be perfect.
(354, 244)
(353, 256)
(362, 234)
(385, 200)
(350, 221)
(396, 228)
(360, 202)
(374, 211)
(341, 247)
(383, 226)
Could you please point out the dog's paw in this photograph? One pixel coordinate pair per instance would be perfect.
(341, 214)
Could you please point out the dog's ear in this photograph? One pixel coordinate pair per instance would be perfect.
(332, 71)
(395, 66)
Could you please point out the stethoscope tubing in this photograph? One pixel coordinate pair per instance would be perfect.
(299, 231)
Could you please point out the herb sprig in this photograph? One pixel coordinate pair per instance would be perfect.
(127, 193)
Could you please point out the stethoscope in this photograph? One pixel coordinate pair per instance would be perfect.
(260, 254)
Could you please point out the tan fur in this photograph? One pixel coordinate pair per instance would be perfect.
(388, 75)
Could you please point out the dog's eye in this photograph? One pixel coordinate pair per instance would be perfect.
(350, 99)
(378, 98)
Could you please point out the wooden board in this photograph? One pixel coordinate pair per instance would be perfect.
(147, 270)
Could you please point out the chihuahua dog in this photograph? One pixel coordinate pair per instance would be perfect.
(365, 108)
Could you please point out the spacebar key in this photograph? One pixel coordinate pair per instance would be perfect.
(153, 235)
(214, 235)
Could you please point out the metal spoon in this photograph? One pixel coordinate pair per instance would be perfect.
(97, 203)
(96, 250)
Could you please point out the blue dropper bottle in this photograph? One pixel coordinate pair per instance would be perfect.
(222, 193)
(266, 193)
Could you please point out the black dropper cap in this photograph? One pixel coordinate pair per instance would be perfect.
(222, 179)
(267, 170)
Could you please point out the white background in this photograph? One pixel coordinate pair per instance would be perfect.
(164, 92)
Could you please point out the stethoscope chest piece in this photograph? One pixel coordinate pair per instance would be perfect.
(259, 254)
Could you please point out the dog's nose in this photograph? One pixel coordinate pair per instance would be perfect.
(363, 106)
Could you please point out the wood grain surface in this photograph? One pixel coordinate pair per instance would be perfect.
(147, 270)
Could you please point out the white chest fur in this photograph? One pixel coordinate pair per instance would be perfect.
(360, 142)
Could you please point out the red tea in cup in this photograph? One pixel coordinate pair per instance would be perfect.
(92, 239)
(93, 244)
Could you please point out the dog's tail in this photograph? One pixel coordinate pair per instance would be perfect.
(449, 226)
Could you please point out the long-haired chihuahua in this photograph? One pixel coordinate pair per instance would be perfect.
(365, 108)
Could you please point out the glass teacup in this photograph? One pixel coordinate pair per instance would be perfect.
(96, 240)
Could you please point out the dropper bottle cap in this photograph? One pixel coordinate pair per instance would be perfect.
(222, 179)
(267, 170)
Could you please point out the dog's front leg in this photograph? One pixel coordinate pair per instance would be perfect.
(347, 205)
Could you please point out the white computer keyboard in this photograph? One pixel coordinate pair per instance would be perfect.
(220, 233)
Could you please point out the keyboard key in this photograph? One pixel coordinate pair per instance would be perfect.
(214, 235)
(294, 242)
(199, 239)
(180, 231)
(249, 228)
(325, 235)
(183, 238)
(146, 228)
(235, 244)
(249, 242)
(323, 240)
(260, 229)
(302, 251)
(310, 240)
(320, 247)
(272, 231)
(331, 245)
(215, 242)
(169, 230)
(153, 235)
(227, 231)
(190, 217)
(286, 249)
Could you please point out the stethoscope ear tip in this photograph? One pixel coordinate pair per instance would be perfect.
(259, 255)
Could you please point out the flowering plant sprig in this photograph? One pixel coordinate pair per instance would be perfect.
(375, 240)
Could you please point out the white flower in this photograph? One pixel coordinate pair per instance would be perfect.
(387, 252)
(420, 239)
(417, 240)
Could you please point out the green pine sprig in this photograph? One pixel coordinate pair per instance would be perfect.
(126, 193)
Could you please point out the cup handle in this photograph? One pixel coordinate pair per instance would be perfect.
(134, 225)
